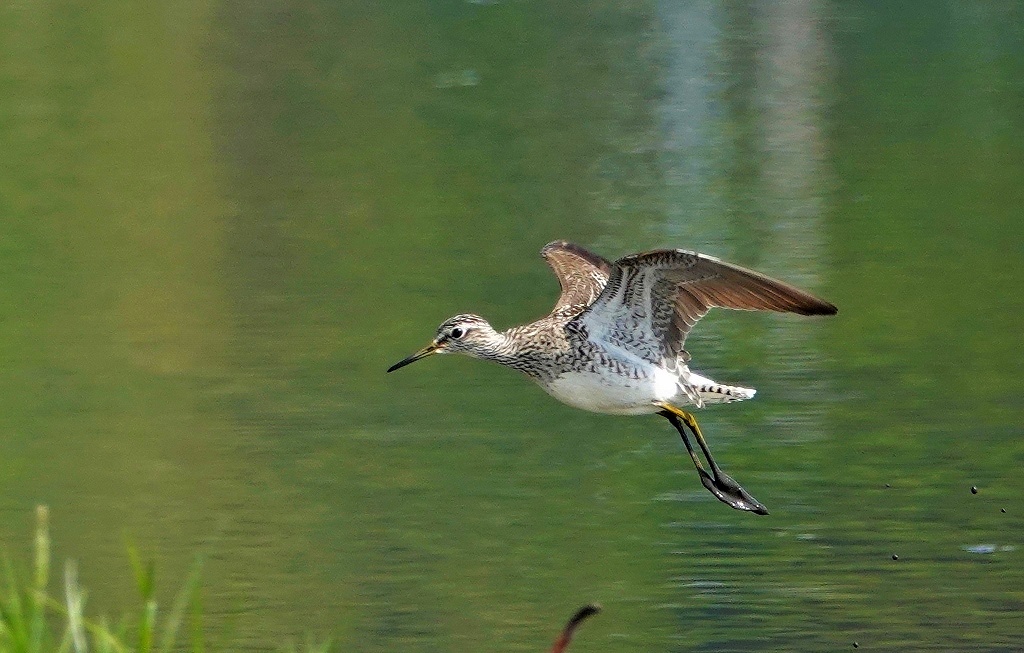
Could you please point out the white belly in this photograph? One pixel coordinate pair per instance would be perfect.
(614, 394)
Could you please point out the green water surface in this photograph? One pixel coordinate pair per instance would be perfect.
(221, 221)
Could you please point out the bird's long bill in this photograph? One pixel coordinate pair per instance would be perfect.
(423, 353)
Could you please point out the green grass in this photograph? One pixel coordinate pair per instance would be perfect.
(32, 620)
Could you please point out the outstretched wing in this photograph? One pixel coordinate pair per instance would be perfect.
(653, 299)
(581, 274)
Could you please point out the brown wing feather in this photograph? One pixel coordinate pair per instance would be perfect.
(714, 282)
(643, 287)
(581, 274)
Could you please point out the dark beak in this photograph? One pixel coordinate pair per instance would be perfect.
(423, 353)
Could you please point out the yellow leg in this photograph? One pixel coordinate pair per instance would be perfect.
(691, 422)
(718, 482)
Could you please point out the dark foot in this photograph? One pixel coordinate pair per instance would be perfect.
(729, 492)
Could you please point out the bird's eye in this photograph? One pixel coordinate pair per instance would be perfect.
(458, 332)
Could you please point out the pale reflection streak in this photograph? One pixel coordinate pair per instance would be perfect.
(791, 86)
(686, 115)
(744, 96)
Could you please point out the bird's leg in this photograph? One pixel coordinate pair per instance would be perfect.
(714, 483)
(718, 482)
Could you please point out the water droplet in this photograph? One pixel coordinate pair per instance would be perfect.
(981, 548)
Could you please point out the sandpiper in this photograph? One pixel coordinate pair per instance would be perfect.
(614, 341)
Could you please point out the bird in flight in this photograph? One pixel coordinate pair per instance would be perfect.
(614, 342)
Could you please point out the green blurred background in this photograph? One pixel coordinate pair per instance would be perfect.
(221, 221)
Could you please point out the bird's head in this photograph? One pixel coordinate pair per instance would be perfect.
(464, 334)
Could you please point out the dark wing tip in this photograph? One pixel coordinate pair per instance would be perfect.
(566, 635)
(588, 610)
(565, 246)
(819, 307)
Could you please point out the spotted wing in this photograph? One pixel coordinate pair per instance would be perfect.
(581, 274)
(653, 299)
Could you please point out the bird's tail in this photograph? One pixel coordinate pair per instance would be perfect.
(712, 392)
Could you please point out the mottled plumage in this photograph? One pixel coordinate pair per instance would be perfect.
(614, 342)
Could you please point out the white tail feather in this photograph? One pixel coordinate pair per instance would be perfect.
(718, 393)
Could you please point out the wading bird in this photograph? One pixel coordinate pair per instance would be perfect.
(614, 341)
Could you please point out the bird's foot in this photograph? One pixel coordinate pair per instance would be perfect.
(730, 493)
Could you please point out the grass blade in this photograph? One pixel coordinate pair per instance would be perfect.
(74, 599)
(181, 603)
(37, 598)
